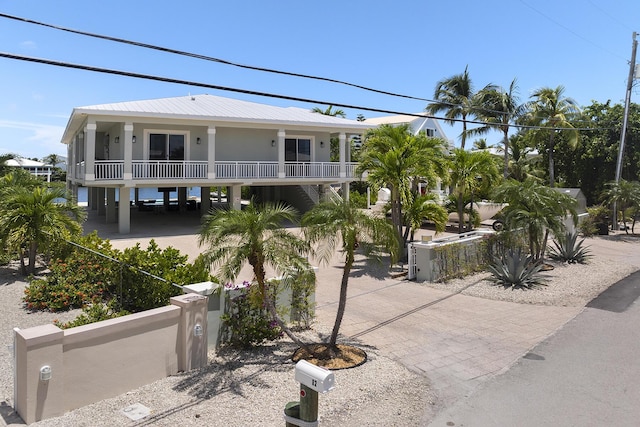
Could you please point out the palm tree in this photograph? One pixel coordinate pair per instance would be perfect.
(471, 170)
(339, 225)
(395, 158)
(455, 96)
(523, 163)
(536, 208)
(4, 169)
(329, 111)
(553, 112)
(53, 159)
(32, 218)
(424, 207)
(624, 194)
(499, 109)
(255, 235)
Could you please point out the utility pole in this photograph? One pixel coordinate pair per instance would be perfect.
(625, 120)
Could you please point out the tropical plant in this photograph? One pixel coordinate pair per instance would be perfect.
(423, 207)
(523, 163)
(568, 248)
(625, 195)
(255, 235)
(499, 109)
(553, 112)
(515, 269)
(329, 111)
(470, 171)
(395, 158)
(4, 169)
(455, 96)
(53, 159)
(37, 218)
(338, 225)
(537, 209)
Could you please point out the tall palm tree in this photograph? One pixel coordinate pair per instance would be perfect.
(553, 112)
(470, 171)
(35, 218)
(255, 235)
(536, 208)
(395, 158)
(499, 109)
(455, 96)
(339, 225)
(329, 111)
(53, 159)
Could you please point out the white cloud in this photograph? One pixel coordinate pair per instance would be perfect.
(28, 44)
(41, 139)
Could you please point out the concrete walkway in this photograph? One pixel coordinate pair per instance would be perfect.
(457, 341)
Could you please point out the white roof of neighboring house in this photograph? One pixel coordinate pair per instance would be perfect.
(217, 109)
(391, 120)
(26, 163)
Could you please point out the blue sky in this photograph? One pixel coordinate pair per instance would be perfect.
(401, 46)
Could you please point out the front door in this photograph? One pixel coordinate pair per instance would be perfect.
(164, 146)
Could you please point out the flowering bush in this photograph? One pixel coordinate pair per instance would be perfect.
(247, 322)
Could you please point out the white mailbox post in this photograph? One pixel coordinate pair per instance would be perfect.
(313, 380)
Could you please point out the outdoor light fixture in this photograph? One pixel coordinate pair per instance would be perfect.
(321, 143)
(45, 373)
(273, 142)
(133, 139)
(117, 140)
(198, 140)
(197, 331)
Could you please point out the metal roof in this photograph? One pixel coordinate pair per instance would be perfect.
(212, 108)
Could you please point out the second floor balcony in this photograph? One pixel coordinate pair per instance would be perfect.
(221, 171)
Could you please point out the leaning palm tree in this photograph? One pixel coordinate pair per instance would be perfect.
(395, 158)
(255, 235)
(339, 225)
(536, 208)
(553, 112)
(35, 218)
(455, 96)
(471, 170)
(499, 109)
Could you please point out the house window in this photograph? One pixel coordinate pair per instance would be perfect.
(430, 132)
(297, 150)
(164, 146)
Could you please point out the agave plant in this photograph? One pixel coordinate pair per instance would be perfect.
(568, 249)
(515, 269)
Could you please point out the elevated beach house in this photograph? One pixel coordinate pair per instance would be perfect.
(204, 141)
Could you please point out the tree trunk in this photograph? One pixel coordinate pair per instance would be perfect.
(552, 177)
(33, 247)
(342, 302)
(460, 206)
(506, 154)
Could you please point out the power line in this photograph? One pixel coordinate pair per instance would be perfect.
(209, 58)
(247, 91)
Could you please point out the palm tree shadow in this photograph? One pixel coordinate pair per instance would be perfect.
(10, 274)
(379, 270)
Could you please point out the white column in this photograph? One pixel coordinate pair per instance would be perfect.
(90, 151)
(343, 154)
(128, 152)
(124, 210)
(235, 199)
(211, 153)
(71, 166)
(111, 205)
(281, 169)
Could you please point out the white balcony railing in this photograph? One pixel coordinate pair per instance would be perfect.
(110, 170)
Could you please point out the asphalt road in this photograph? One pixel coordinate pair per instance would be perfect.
(587, 374)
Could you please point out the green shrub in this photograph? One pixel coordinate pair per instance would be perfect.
(568, 249)
(93, 313)
(516, 269)
(246, 322)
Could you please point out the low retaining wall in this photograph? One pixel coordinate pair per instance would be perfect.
(59, 370)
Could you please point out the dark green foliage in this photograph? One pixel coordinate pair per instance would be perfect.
(246, 320)
(93, 313)
(568, 249)
(515, 269)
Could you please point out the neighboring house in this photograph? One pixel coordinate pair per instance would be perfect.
(32, 166)
(204, 141)
(419, 122)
